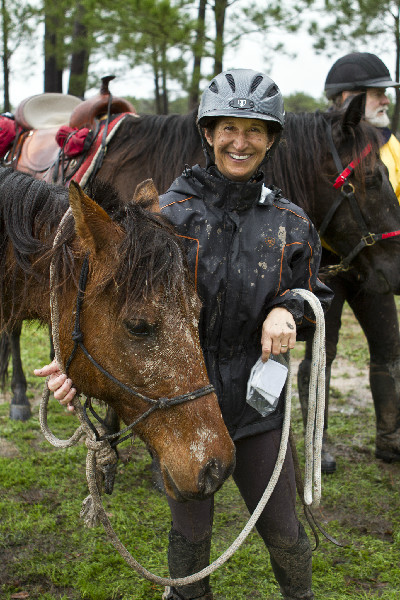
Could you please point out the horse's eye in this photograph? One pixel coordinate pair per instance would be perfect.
(140, 328)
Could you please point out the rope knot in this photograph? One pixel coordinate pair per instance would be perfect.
(77, 336)
(97, 445)
(163, 402)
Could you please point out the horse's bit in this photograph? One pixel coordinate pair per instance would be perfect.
(347, 191)
(77, 337)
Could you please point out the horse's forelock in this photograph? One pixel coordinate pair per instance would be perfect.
(150, 258)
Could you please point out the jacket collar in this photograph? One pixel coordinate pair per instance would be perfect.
(226, 194)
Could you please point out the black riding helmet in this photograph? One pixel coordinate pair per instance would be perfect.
(241, 93)
(357, 71)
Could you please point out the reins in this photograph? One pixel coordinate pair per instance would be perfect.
(347, 192)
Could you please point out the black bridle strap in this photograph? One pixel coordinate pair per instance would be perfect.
(159, 403)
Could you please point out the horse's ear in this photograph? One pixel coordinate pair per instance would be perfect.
(146, 196)
(354, 112)
(93, 225)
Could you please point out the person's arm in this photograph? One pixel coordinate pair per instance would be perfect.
(58, 383)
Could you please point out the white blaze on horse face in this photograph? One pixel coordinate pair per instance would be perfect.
(198, 448)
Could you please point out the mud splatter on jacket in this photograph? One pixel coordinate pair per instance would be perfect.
(247, 251)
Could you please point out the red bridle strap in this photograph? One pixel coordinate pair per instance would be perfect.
(341, 180)
(390, 234)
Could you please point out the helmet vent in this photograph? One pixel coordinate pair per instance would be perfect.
(213, 87)
(231, 81)
(255, 83)
(271, 91)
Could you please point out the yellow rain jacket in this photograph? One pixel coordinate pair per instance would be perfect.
(390, 155)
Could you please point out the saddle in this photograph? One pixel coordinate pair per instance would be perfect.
(45, 124)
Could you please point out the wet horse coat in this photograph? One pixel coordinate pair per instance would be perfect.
(139, 317)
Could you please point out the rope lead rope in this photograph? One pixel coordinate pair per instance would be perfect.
(313, 442)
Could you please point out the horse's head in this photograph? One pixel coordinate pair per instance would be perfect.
(139, 321)
(362, 203)
(368, 203)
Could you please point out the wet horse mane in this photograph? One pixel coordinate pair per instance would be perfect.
(149, 258)
(297, 163)
(163, 141)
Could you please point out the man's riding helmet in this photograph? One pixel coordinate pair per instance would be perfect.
(357, 71)
(242, 93)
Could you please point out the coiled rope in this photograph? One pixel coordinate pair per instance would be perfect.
(92, 506)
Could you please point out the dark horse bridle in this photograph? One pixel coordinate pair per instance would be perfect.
(347, 191)
(77, 337)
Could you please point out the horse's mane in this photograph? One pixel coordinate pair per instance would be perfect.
(296, 165)
(165, 142)
(29, 211)
(149, 259)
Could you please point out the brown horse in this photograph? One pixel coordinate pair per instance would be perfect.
(138, 318)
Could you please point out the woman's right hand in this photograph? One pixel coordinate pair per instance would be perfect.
(58, 383)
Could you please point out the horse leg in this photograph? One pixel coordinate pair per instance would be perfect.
(20, 409)
(378, 318)
(384, 381)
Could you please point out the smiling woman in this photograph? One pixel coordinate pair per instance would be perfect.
(239, 146)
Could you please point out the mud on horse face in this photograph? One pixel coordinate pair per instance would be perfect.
(140, 322)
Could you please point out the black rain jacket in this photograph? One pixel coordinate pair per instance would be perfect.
(247, 248)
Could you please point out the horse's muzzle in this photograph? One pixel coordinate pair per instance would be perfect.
(210, 479)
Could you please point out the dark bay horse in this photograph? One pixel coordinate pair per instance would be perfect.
(302, 166)
(138, 319)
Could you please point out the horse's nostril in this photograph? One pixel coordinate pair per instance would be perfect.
(212, 476)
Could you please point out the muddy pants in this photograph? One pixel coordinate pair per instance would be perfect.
(255, 461)
(288, 545)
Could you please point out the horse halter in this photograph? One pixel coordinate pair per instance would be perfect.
(77, 337)
(347, 191)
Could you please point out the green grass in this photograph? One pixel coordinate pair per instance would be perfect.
(47, 553)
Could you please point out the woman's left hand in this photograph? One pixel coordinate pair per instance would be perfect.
(278, 333)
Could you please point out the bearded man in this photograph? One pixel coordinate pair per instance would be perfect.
(355, 73)
(364, 72)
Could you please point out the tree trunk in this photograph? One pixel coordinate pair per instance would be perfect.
(157, 95)
(194, 93)
(220, 7)
(164, 83)
(6, 56)
(53, 72)
(80, 55)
